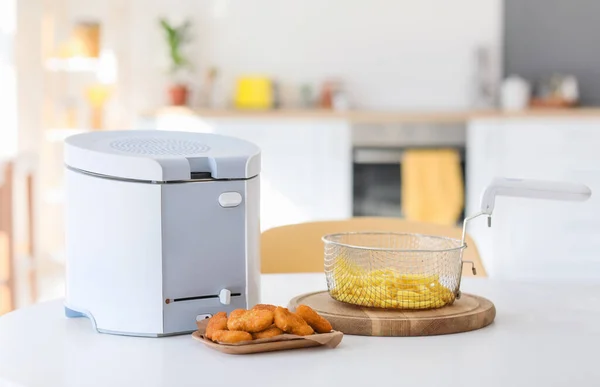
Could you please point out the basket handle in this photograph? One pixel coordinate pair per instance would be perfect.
(536, 189)
(523, 188)
(527, 188)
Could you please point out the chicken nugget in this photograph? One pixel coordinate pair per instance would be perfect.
(271, 331)
(230, 337)
(265, 307)
(312, 318)
(253, 320)
(237, 313)
(303, 330)
(291, 323)
(217, 322)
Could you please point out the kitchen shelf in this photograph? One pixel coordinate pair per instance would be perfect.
(72, 65)
(373, 116)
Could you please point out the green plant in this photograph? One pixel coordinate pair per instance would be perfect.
(176, 37)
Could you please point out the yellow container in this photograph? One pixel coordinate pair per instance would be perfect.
(254, 93)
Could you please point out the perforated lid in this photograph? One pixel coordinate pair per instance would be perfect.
(155, 155)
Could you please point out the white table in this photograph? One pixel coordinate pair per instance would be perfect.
(544, 335)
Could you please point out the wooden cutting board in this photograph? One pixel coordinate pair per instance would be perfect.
(468, 313)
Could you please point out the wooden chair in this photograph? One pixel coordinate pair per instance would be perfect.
(298, 248)
(11, 173)
(7, 255)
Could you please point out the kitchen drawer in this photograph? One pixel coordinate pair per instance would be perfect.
(549, 147)
(408, 135)
(580, 145)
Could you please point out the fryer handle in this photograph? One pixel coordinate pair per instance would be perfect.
(536, 189)
(526, 188)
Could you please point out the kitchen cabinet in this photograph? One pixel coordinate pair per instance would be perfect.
(536, 239)
(306, 163)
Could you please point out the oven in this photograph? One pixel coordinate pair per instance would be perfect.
(378, 152)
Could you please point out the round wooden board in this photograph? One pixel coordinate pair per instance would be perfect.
(468, 313)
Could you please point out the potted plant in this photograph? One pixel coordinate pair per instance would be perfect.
(177, 37)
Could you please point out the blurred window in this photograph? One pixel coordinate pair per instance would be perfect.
(8, 91)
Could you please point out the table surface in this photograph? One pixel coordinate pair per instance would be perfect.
(545, 334)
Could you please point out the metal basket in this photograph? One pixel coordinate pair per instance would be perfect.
(393, 270)
(413, 271)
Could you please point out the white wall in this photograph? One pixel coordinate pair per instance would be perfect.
(392, 54)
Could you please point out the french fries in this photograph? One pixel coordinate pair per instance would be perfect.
(384, 288)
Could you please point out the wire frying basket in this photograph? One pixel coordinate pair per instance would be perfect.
(393, 270)
(415, 271)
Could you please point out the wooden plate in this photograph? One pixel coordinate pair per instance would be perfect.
(279, 343)
(468, 313)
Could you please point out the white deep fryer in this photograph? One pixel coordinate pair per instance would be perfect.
(162, 229)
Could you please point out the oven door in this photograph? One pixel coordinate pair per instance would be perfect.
(377, 181)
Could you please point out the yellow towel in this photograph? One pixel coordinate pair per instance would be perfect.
(432, 186)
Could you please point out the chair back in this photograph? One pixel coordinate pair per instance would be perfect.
(298, 248)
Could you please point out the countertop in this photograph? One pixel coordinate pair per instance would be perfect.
(544, 334)
(373, 116)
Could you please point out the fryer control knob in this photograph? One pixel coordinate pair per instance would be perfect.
(225, 296)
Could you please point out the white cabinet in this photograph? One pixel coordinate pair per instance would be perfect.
(533, 239)
(306, 164)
